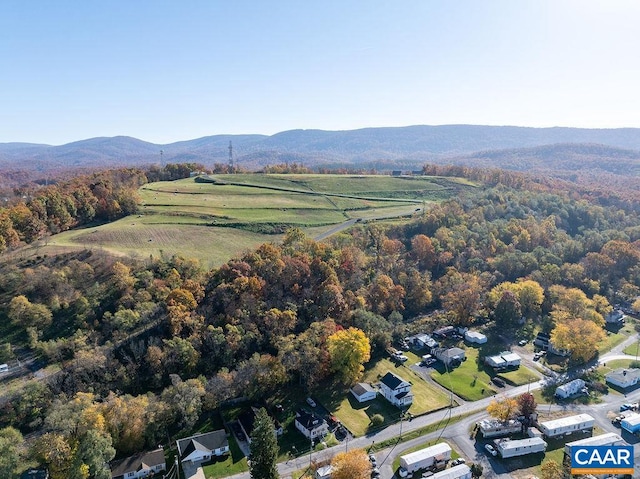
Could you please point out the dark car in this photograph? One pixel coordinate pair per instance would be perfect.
(498, 382)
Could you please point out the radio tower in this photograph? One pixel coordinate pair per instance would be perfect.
(231, 168)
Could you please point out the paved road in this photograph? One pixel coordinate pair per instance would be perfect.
(457, 432)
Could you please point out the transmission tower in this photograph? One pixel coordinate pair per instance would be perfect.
(231, 168)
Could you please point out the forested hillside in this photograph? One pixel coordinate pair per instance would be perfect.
(146, 348)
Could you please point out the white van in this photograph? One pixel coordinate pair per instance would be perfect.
(4, 368)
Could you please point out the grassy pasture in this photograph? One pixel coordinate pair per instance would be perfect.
(213, 221)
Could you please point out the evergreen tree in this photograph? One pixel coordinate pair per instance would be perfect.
(264, 448)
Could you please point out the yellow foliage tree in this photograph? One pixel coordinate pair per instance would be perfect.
(551, 470)
(579, 336)
(348, 349)
(353, 464)
(503, 409)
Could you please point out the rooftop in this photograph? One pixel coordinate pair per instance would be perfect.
(143, 460)
(391, 380)
(567, 421)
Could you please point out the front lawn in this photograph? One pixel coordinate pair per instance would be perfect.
(232, 463)
(520, 376)
(614, 338)
(470, 380)
(357, 417)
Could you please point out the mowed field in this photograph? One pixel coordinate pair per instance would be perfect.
(216, 217)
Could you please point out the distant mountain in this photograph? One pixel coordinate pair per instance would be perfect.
(562, 157)
(500, 146)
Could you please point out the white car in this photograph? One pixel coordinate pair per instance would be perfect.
(311, 402)
(491, 450)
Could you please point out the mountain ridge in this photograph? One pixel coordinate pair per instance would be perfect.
(475, 145)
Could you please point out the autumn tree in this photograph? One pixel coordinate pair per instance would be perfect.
(26, 314)
(503, 409)
(460, 293)
(353, 464)
(10, 442)
(508, 311)
(527, 405)
(348, 349)
(264, 448)
(551, 470)
(578, 336)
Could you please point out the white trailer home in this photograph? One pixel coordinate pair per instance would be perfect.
(570, 388)
(461, 471)
(566, 425)
(494, 428)
(437, 455)
(508, 448)
(608, 439)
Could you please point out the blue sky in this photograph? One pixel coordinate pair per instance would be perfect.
(164, 71)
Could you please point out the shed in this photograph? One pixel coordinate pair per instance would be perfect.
(475, 337)
(461, 471)
(363, 392)
(631, 423)
(323, 472)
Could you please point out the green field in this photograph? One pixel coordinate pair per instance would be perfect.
(225, 215)
(470, 381)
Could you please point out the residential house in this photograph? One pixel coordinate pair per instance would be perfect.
(451, 357)
(424, 341)
(623, 378)
(248, 417)
(631, 423)
(363, 392)
(139, 465)
(503, 360)
(571, 388)
(310, 425)
(615, 317)
(396, 390)
(203, 447)
(445, 332)
(567, 425)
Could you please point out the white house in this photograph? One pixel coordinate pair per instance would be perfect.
(503, 360)
(567, 425)
(623, 378)
(363, 392)
(203, 447)
(396, 390)
(323, 472)
(311, 425)
(570, 388)
(140, 465)
(450, 356)
(475, 337)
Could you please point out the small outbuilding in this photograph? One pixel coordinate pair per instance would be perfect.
(363, 392)
(503, 360)
(475, 337)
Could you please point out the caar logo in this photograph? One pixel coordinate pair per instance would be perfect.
(602, 460)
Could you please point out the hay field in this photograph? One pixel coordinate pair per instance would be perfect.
(214, 220)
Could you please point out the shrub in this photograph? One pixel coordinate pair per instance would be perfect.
(377, 419)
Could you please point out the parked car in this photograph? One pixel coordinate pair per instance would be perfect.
(457, 462)
(537, 356)
(375, 472)
(311, 402)
(626, 407)
(373, 460)
(491, 450)
(498, 382)
(399, 357)
(522, 342)
(616, 420)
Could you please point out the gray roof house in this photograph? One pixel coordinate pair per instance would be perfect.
(396, 390)
(203, 447)
(623, 378)
(450, 356)
(139, 465)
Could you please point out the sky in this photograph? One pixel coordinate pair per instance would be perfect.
(165, 71)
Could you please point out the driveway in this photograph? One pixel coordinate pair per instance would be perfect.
(193, 472)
